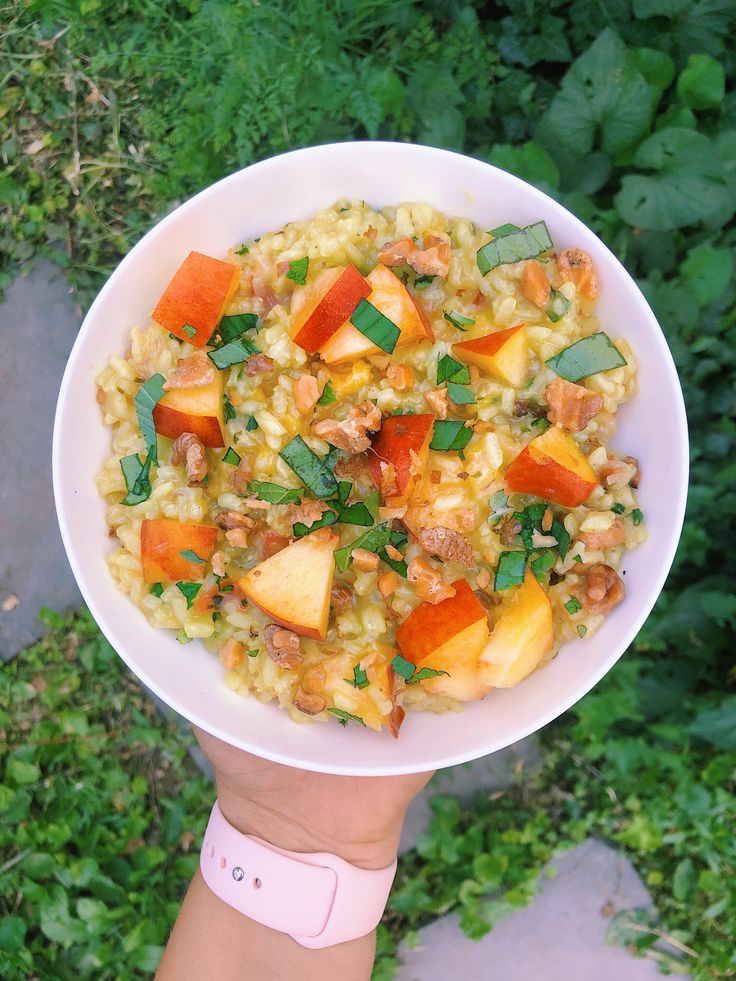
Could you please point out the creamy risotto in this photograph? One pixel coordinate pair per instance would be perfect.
(365, 459)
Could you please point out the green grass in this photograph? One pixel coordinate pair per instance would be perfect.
(624, 110)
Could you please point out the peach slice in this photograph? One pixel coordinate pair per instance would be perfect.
(374, 703)
(503, 355)
(398, 438)
(319, 309)
(162, 542)
(193, 410)
(553, 467)
(293, 586)
(196, 297)
(389, 296)
(448, 636)
(521, 637)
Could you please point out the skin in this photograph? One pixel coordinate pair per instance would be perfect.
(357, 818)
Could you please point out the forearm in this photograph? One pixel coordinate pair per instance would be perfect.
(212, 940)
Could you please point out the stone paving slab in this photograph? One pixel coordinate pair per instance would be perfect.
(560, 936)
(42, 319)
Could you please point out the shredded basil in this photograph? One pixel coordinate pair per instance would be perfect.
(504, 230)
(327, 519)
(450, 434)
(510, 570)
(541, 565)
(359, 679)
(328, 395)
(189, 330)
(409, 673)
(147, 398)
(251, 424)
(618, 508)
(587, 357)
(499, 506)
(460, 394)
(264, 490)
(356, 514)
(372, 324)
(372, 541)
(231, 328)
(298, 270)
(448, 369)
(191, 556)
(228, 410)
(189, 590)
(310, 468)
(637, 516)
(563, 538)
(457, 320)
(346, 717)
(573, 606)
(542, 424)
(424, 673)
(231, 457)
(422, 282)
(236, 352)
(157, 589)
(252, 653)
(513, 246)
(243, 250)
(137, 477)
(558, 306)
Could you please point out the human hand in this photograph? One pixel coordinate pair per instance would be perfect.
(357, 818)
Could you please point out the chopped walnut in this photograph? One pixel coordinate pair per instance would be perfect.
(192, 372)
(309, 703)
(306, 393)
(351, 434)
(283, 646)
(534, 284)
(341, 598)
(241, 477)
(428, 584)
(388, 583)
(389, 477)
(258, 364)
(483, 578)
(232, 653)
(394, 553)
(616, 473)
(600, 590)
(364, 560)
(597, 540)
(438, 402)
(576, 267)
(446, 544)
(432, 260)
(307, 512)
(218, 563)
(189, 449)
(571, 406)
(400, 376)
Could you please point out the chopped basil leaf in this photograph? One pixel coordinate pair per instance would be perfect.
(424, 673)
(298, 270)
(227, 408)
(231, 457)
(327, 519)
(343, 490)
(231, 328)
(577, 558)
(264, 490)
(189, 590)
(563, 538)
(618, 508)
(216, 616)
(582, 630)
(191, 556)
(148, 396)
(372, 541)
(253, 652)
(448, 369)
(356, 514)
(310, 468)
(558, 306)
(573, 606)
(328, 395)
(450, 434)
(227, 589)
(251, 424)
(331, 459)
(137, 477)
(373, 502)
(422, 282)
(587, 357)
(510, 570)
(174, 337)
(372, 324)
(233, 353)
(503, 230)
(359, 679)
(499, 506)
(182, 637)
(346, 717)
(157, 589)
(457, 320)
(637, 516)
(459, 394)
(189, 330)
(409, 673)
(513, 246)
(542, 424)
(398, 565)
(540, 566)
(243, 250)
(399, 539)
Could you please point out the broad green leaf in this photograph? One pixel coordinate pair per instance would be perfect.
(708, 272)
(702, 84)
(656, 66)
(718, 726)
(688, 185)
(529, 161)
(12, 934)
(604, 101)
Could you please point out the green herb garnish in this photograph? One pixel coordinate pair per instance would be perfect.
(573, 606)
(499, 506)
(372, 541)
(231, 328)
(231, 457)
(541, 565)
(189, 330)
(356, 514)
(448, 369)
(251, 424)
(504, 230)
(510, 570)
(460, 394)
(243, 250)
(513, 246)
(409, 673)
(310, 468)
(264, 490)
(298, 270)
(346, 717)
(372, 324)
(558, 306)
(359, 679)
(137, 477)
(618, 508)
(457, 320)
(236, 352)
(189, 590)
(148, 396)
(542, 424)
(450, 434)
(587, 357)
(422, 282)
(228, 410)
(157, 589)
(191, 556)
(328, 395)
(637, 516)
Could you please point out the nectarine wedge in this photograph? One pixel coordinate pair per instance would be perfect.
(193, 410)
(503, 355)
(521, 637)
(162, 542)
(553, 467)
(319, 309)
(195, 299)
(293, 586)
(398, 437)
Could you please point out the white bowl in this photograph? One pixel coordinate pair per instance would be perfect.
(266, 196)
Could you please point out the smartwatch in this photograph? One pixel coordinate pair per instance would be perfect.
(316, 898)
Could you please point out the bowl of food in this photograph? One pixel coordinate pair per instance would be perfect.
(370, 458)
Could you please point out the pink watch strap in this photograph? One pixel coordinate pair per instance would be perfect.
(317, 898)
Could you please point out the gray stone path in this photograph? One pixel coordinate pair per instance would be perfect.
(39, 321)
